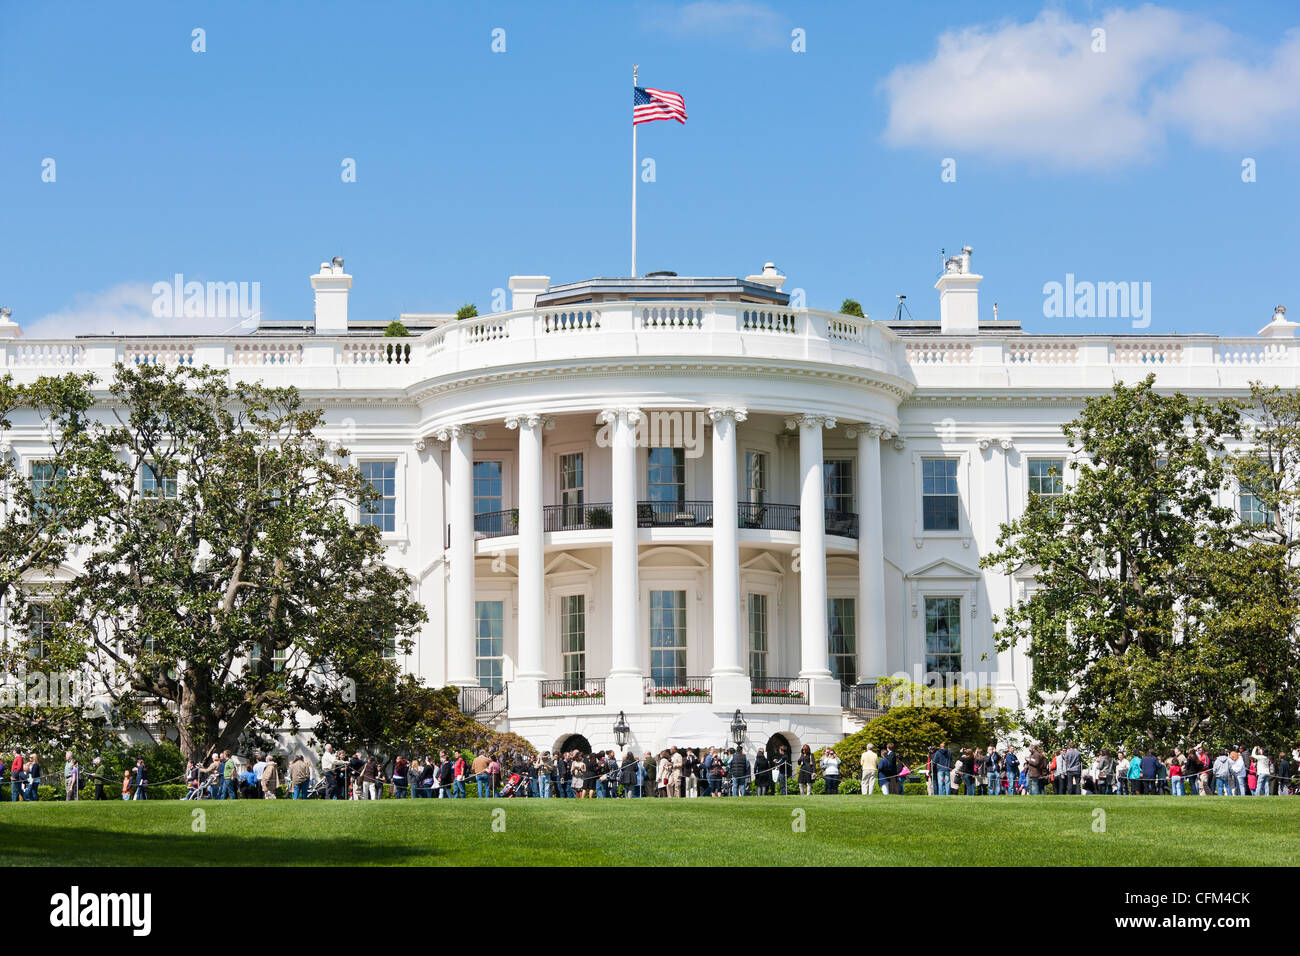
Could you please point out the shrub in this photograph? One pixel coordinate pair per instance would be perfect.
(395, 329)
(467, 311)
(851, 307)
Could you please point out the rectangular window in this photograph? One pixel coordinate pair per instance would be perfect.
(40, 631)
(837, 480)
(155, 482)
(942, 635)
(1251, 508)
(279, 656)
(573, 640)
(488, 517)
(756, 477)
(381, 512)
(842, 639)
(939, 501)
(1046, 478)
(572, 486)
(758, 636)
(387, 642)
(489, 641)
(668, 637)
(666, 477)
(44, 476)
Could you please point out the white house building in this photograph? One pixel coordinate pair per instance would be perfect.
(673, 498)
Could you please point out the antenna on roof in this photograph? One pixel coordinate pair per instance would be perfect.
(902, 307)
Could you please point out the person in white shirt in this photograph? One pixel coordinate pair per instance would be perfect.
(870, 770)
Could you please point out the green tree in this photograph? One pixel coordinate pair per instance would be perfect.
(467, 311)
(1148, 605)
(851, 307)
(227, 578)
(395, 329)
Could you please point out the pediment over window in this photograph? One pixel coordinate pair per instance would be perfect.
(943, 570)
(565, 563)
(763, 561)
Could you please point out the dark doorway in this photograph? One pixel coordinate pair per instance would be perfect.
(576, 742)
(775, 743)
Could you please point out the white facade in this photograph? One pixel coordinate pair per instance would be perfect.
(535, 502)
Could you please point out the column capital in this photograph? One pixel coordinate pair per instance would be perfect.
(810, 421)
(529, 420)
(610, 416)
(1004, 443)
(718, 412)
(452, 432)
(868, 430)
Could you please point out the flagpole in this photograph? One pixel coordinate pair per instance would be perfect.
(634, 178)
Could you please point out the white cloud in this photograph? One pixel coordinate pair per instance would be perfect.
(754, 24)
(1038, 91)
(124, 309)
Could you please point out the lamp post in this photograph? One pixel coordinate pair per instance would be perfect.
(621, 730)
(738, 728)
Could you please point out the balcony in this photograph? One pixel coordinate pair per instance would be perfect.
(584, 517)
(660, 514)
(687, 690)
(779, 690)
(573, 693)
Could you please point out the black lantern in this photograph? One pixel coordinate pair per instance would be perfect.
(621, 730)
(738, 728)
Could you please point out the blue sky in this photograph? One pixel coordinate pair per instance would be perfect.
(1115, 165)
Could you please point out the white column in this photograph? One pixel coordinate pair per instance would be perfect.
(731, 686)
(532, 569)
(871, 557)
(814, 659)
(430, 662)
(623, 687)
(460, 588)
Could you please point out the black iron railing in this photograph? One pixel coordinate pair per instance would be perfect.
(577, 517)
(494, 524)
(674, 514)
(862, 698)
(768, 517)
(779, 690)
(686, 690)
(842, 523)
(483, 701)
(573, 693)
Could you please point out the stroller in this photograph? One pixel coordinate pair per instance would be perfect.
(516, 786)
(201, 790)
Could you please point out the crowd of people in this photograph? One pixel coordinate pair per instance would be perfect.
(1196, 771)
(692, 772)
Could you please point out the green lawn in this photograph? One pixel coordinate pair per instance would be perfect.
(854, 831)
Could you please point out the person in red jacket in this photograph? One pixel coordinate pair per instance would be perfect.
(15, 775)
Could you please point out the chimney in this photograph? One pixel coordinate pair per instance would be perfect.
(524, 290)
(769, 277)
(331, 285)
(8, 327)
(959, 312)
(1279, 328)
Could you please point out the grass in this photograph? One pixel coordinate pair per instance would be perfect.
(844, 831)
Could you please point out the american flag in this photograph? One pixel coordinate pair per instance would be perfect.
(650, 105)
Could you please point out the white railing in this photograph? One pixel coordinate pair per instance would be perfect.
(939, 352)
(267, 353)
(47, 355)
(1042, 353)
(742, 331)
(158, 353)
(673, 317)
(769, 320)
(577, 320)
